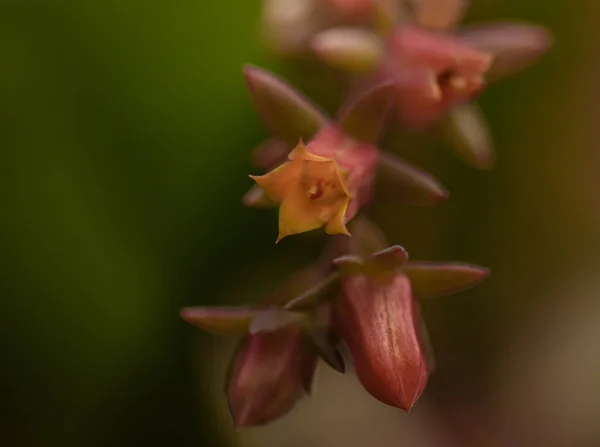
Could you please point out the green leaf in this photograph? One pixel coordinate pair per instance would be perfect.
(412, 185)
(389, 260)
(273, 318)
(433, 279)
(221, 320)
(364, 116)
(467, 132)
(287, 113)
(270, 154)
(515, 46)
(367, 237)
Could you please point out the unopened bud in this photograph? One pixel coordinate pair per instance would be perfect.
(376, 319)
(269, 372)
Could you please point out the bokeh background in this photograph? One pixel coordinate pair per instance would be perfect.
(125, 130)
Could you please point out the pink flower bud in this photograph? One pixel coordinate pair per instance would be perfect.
(433, 71)
(267, 376)
(376, 318)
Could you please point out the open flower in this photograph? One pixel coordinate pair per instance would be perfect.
(437, 67)
(326, 182)
(433, 72)
(321, 184)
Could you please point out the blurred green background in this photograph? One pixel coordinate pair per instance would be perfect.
(125, 130)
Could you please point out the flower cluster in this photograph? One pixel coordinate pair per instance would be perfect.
(408, 66)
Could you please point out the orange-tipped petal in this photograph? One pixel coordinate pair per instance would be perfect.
(277, 183)
(300, 153)
(297, 216)
(337, 225)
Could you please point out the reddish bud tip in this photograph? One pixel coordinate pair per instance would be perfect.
(267, 376)
(377, 321)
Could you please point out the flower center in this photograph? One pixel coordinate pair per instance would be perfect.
(316, 191)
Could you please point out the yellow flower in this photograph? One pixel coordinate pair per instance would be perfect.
(312, 191)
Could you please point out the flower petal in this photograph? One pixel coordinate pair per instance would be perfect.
(300, 153)
(337, 225)
(277, 183)
(296, 215)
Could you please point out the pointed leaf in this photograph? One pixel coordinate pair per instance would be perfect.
(273, 318)
(315, 294)
(433, 279)
(221, 320)
(307, 371)
(285, 112)
(367, 237)
(515, 46)
(325, 343)
(354, 50)
(467, 132)
(389, 260)
(351, 264)
(439, 14)
(413, 186)
(364, 117)
(384, 262)
(270, 154)
(256, 198)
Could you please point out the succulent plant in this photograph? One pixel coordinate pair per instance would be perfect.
(408, 65)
